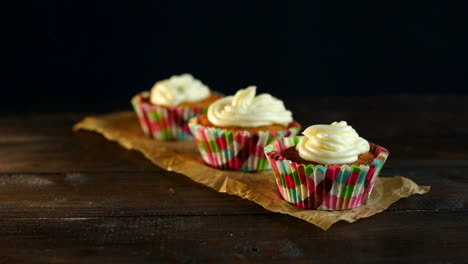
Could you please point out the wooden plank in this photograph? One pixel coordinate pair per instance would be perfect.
(113, 194)
(48, 139)
(86, 151)
(77, 153)
(374, 125)
(431, 237)
(448, 188)
(32, 142)
(155, 193)
(69, 197)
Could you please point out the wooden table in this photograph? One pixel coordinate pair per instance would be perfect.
(75, 197)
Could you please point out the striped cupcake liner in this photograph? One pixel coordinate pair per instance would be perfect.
(236, 150)
(329, 187)
(164, 123)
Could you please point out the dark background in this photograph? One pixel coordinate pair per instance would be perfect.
(76, 51)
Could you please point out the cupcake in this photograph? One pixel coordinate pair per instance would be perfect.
(164, 111)
(236, 128)
(329, 168)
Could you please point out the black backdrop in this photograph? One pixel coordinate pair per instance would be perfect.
(69, 50)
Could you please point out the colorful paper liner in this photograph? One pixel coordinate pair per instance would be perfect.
(164, 123)
(236, 150)
(329, 187)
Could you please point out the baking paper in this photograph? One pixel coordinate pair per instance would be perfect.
(183, 157)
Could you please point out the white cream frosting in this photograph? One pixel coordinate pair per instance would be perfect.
(337, 143)
(178, 89)
(244, 109)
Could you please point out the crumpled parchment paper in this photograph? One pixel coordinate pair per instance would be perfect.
(183, 157)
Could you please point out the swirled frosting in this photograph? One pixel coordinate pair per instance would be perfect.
(244, 109)
(337, 143)
(178, 89)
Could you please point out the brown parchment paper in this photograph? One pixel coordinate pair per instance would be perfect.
(183, 157)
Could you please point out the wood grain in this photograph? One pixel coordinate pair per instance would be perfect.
(385, 238)
(47, 144)
(155, 193)
(74, 197)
